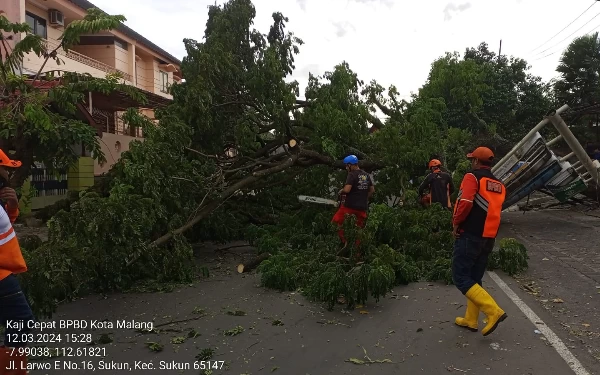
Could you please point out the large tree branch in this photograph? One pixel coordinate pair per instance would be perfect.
(268, 162)
(366, 165)
(386, 111)
(268, 148)
(216, 203)
(48, 56)
(375, 121)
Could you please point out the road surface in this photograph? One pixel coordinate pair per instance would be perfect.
(411, 331)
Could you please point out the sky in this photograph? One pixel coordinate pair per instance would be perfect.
(391, 41)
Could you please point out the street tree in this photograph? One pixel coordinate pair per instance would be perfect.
(578, 82)
(579, 69)
(492, 97)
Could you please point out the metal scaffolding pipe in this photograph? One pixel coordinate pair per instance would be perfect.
(574, 145)
(567, 157)
(553, 141)
(537, 128)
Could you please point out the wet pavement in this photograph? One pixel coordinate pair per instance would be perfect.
(252, 330)
(563, 280)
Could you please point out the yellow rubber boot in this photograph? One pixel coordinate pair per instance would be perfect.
(471, 317)
(490, 308)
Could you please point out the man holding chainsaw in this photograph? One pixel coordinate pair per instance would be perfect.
(440, 185)
(357, 191)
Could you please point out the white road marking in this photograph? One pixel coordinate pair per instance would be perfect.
(556, 342)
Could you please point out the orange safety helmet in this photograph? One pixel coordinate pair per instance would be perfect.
(434, 163)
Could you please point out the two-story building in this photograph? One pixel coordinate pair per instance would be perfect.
(140, 62)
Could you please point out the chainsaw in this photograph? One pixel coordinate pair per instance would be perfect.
(318, 200)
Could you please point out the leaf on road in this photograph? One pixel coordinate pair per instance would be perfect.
(356, 361)
(363, 312)
(367, 359)
(558, 300)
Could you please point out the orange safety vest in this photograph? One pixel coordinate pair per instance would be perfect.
(484, 218)
(11, 258)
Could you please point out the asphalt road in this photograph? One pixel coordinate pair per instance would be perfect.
(411, 331)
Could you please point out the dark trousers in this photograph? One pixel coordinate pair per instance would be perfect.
(14, 308)
(469, 260)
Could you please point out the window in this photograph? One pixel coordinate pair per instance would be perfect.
(164, 81)
(121, 44)
(37, 24)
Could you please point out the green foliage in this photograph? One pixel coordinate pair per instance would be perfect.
(83, 256)
(578, 82)
(511, 257)
(90, 244)
(397, 246)
(221, 165)
(46, 213)
(481, 92)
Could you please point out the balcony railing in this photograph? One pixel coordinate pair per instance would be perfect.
(76, 56)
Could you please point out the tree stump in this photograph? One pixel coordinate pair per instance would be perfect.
(253, 263)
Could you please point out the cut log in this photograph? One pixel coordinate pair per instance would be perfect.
(252, 264)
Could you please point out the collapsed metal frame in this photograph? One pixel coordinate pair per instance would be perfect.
(584, 166)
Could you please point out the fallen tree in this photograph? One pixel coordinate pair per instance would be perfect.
(226, 162)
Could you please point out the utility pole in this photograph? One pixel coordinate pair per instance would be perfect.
(500, 50)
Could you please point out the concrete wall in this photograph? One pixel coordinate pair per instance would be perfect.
(145, 75)
(81, 175)
(121, 58)
(113, 145)
(97, 60)
(103, 53)
(13, 10)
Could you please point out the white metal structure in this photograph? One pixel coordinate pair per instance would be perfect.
(531, 165)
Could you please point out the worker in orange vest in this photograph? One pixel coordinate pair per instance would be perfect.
(13, 304)
(440, 186)
(475, 226)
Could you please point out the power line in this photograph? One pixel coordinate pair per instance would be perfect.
(549, 48)
(550, 54)
(594, 3)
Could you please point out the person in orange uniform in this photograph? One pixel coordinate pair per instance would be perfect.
(357, 191)
(14, 309)
(440, 185)
(475, 225)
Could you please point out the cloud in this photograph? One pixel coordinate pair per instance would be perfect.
(389, 3)
(302, 73)
(342, 28)
(452, 8)
(302, 4)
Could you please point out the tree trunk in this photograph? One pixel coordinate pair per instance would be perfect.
(252, 264)
(207, 209)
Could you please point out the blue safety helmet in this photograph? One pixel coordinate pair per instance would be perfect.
(351, 159)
